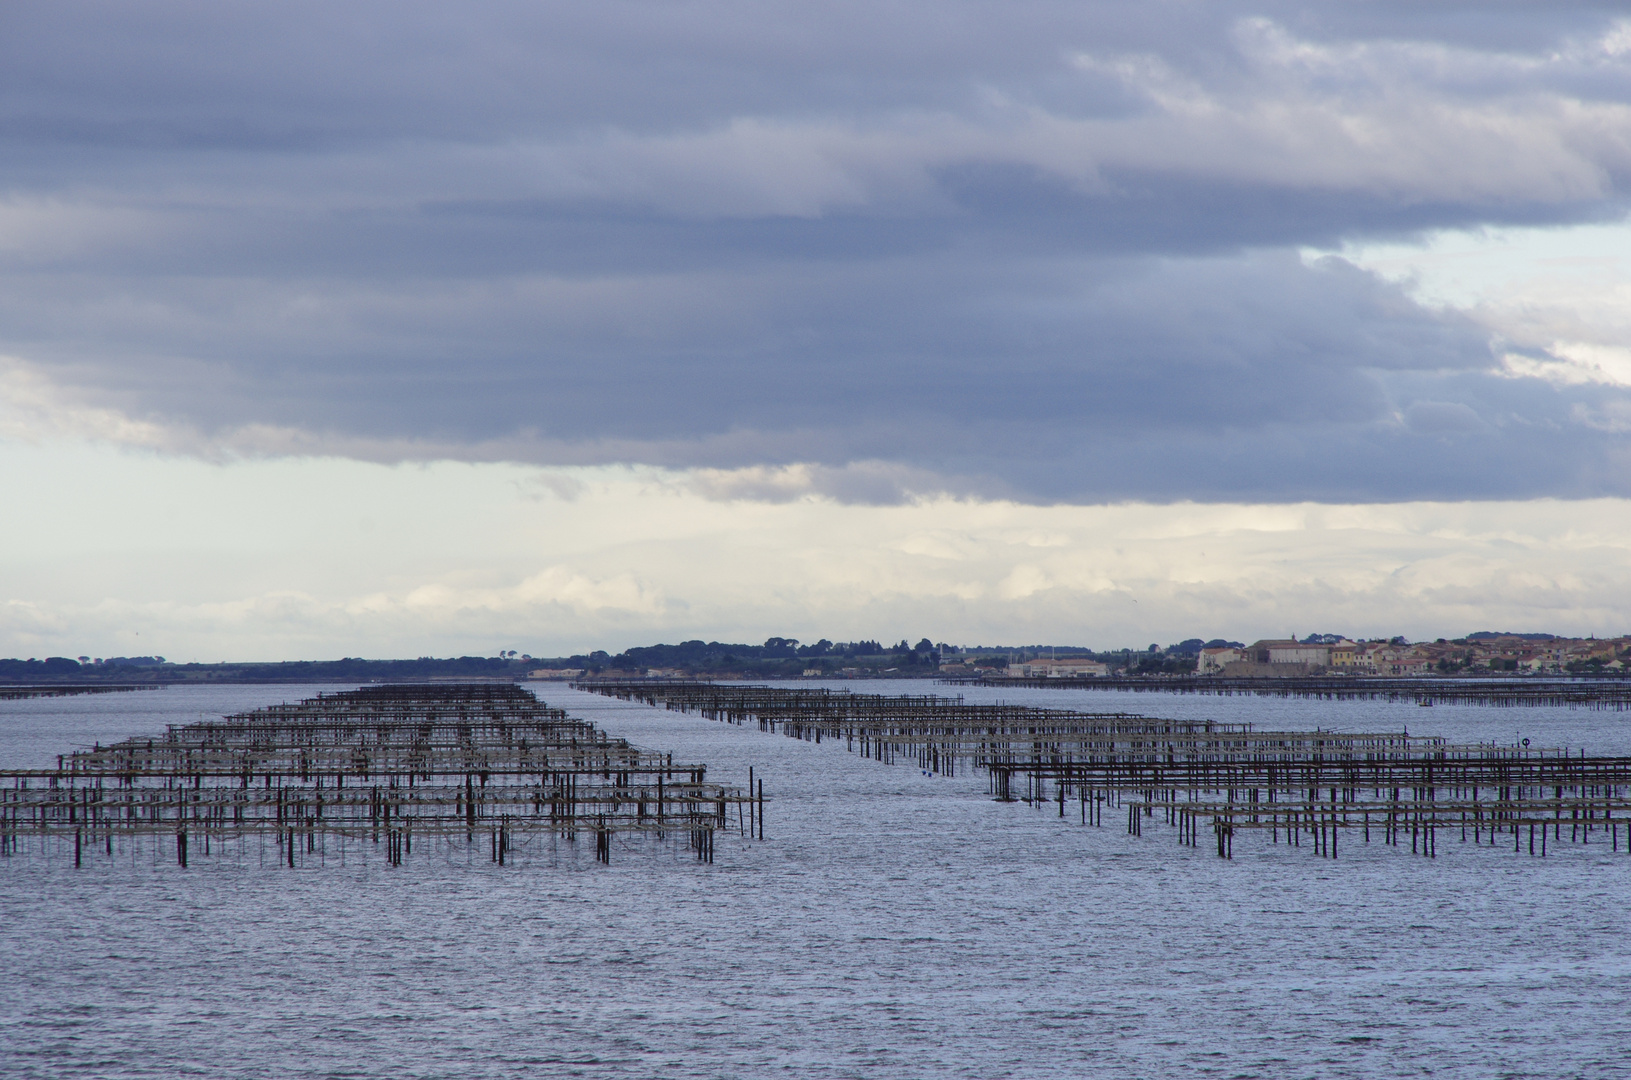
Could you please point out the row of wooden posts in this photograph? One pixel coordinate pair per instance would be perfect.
(1303, 786)
(1593, 693)
(15, 691)
(381, 767)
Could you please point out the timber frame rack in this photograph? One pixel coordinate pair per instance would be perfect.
(1306, 787)
(370, 770)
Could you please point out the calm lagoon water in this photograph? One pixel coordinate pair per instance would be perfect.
(891, 925)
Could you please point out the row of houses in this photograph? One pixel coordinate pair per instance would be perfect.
(1301, 657)
(1492, 653)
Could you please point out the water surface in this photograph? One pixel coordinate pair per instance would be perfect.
(891, 925)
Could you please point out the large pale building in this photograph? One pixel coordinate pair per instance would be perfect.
(1214, 660)
(1057, 669)
(1289, 651)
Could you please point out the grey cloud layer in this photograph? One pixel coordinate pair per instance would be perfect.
(1045, 251)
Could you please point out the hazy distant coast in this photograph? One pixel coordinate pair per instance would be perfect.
(1482, 653)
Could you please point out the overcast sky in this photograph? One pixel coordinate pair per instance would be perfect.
(831, 276)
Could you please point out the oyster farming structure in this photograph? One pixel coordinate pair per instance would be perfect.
(370, 773)
(1322, 789)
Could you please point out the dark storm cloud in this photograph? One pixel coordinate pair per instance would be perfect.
(1045, 251)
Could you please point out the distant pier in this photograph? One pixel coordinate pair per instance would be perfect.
(13, 691)
(1572, 693)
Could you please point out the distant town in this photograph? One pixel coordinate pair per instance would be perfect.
(1485, 652)
(1482, 653)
